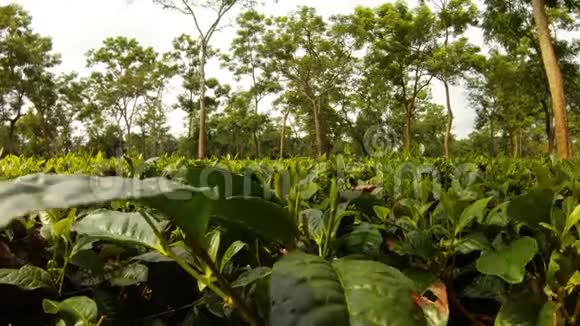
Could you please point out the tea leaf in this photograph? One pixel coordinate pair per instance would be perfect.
(74, 309)
(117, 226)
(308, 290)
(37, 192)
(251, 276)
(509, 262)
(28, 277)
(232, 250)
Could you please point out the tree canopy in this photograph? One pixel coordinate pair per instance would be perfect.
(305, 84)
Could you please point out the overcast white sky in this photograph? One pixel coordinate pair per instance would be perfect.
(76, 26)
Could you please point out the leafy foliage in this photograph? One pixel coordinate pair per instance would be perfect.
(116, 238)
(276, 243)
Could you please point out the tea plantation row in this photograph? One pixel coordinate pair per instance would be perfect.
(86, 240)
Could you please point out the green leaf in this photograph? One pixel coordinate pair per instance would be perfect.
(215, 305)
(38, 192)
(568, 205)
(75, 310)
(178, 248)
(518, 311)
(232, 250)
(421, 244)
(473, 211)
(509, 262)
(486, 287)
(558, 221)
(572, 220)
(212, 244)
(549, 227)
(82, 243)
(472, 242)
(62, 227)
(308, 290)
(340, 165)
(117, 226)
(421, 278)
(129, 275)
(251, 276)
(549, 314)
(449, 203)
(532, 208)
(498, 215)
(366, 239)
(554, 266)
(227, 183)
(263, 219)
(28, 277)
(315, 224)
(50, 307)
(308, 190)
(192, 215)
(88, 259)
(382, 212)
(573, 282)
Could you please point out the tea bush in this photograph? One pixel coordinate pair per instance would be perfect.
(337, 241)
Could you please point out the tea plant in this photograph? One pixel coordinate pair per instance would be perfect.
(335, 241)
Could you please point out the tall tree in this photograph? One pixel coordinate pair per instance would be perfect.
(129, 75)
(287, 102)
(555, 80)
(43, 99)
(503, 101)
(237, 123)
(245, 61)
(400, 42)
(306, 57)
(511, 24)
(185, 56)
(192, 8)
(25, 58)
(152, 124)
(453, 56)
(71, 100)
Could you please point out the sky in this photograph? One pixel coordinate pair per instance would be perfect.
(77, 26)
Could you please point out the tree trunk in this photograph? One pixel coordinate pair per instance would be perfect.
(514, 143)
(11, 139)
(319, 145)
(155, 147)
(283, 134)
(191, 115)
(491, 137)
(447, 99)
(449, 121)
(144, 144)
(255, 131)
(548, 126)
(520, 143)
(408, 118)
(201, 148)
(128, 141)
(555, 80)
(118, 150)
(256, 143)
(545, 108)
